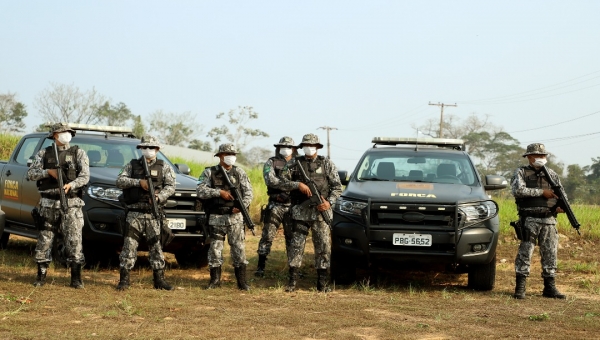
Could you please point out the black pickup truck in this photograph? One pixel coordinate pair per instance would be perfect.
(419, 202)
(109, 149)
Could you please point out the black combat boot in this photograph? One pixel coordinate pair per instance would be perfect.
(322, 281)
(550, 290)
(215, 278)
(76, 276)
(260, 269)
(159, 280)
(240, 275)
(40, 280)
(520, 287)
(123, 280)
(292, 280)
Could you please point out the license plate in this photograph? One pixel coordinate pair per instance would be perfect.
(414, 240)
(176, 223)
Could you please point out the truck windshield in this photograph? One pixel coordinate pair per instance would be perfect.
(109, 153)
(417, 167)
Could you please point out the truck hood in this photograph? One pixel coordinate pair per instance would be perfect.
(108, 176)
(413, 192)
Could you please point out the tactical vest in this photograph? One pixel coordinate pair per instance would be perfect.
(137, 194)
(217, 205)
(315, 171)
(535, 179)
(68, 166)
(278, 165)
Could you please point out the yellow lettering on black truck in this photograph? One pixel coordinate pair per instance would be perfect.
(412, 194)
(11, 189)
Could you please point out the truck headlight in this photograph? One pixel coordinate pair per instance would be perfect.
(476, 212)
(350, 207)
(104, 193)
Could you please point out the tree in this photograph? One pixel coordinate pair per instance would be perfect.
(138, 127)
(114, 115)
(173, 129)
(12, 113)
(575, 183)
(256, 156)
(66, 103)
(197, 144)
(239, 134)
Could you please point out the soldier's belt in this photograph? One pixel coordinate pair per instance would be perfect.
(70, 194)
(536, 215)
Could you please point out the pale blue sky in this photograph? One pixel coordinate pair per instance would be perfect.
(368, 68)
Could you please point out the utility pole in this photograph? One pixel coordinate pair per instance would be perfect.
(328, 128)
(442, 114)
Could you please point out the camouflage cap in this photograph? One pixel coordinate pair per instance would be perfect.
(535, 149)
(148, 140)
(311, 138)
(60, 127)
(226, 148)
(286, 141)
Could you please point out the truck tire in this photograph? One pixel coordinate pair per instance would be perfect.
(59, 254)
(342, 271)
(482, 277)
(193, 257)
(4, 240)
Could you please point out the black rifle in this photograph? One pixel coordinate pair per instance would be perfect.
(316, 198)
(562, 201)
(238, 202)
(64, 206)
(166, 235)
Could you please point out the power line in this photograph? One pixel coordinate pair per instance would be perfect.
(566, 121)
(563, 138)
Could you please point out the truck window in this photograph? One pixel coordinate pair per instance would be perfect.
(27, 150)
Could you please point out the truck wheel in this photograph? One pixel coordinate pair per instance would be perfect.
(193, 257)
(4, 240)
(59, 254)
(103, 256)
(342, 271)
(482, 277)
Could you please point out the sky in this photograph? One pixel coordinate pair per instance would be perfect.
(365, 68)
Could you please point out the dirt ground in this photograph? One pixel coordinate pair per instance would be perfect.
(383, 304)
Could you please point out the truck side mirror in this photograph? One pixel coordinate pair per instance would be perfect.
(183, 168)
(343, 176)
(493, 182)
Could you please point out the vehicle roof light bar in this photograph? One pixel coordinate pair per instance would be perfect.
(439, 142)
(99, 128)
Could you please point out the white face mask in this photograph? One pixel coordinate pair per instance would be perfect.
(285, 152)
(229, 160)
(64, 137)
(149, 153)
(539, 162)
(309, 150)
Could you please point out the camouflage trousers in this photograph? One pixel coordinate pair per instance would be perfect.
(546, 236)
(321, 237)
(142, 224)
(70, 226)
(236, 240)
(276, 215)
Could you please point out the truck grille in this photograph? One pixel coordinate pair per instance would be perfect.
(182, 201)
(411, 216)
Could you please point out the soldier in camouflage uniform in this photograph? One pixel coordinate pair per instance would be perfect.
(75, 169)
(223, 218)
(277, 175)
(140, 220)
(323, 173)
(534, 198)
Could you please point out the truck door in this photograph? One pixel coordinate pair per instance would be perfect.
(17, 189)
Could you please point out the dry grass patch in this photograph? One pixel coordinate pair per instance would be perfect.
(383, 304)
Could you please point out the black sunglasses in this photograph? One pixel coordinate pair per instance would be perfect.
(148, 147)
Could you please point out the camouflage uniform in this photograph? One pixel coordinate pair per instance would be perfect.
(277, 176)
(538, 223)
(70, 225)
(221, 221)
(140, 220)
(306, 217)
